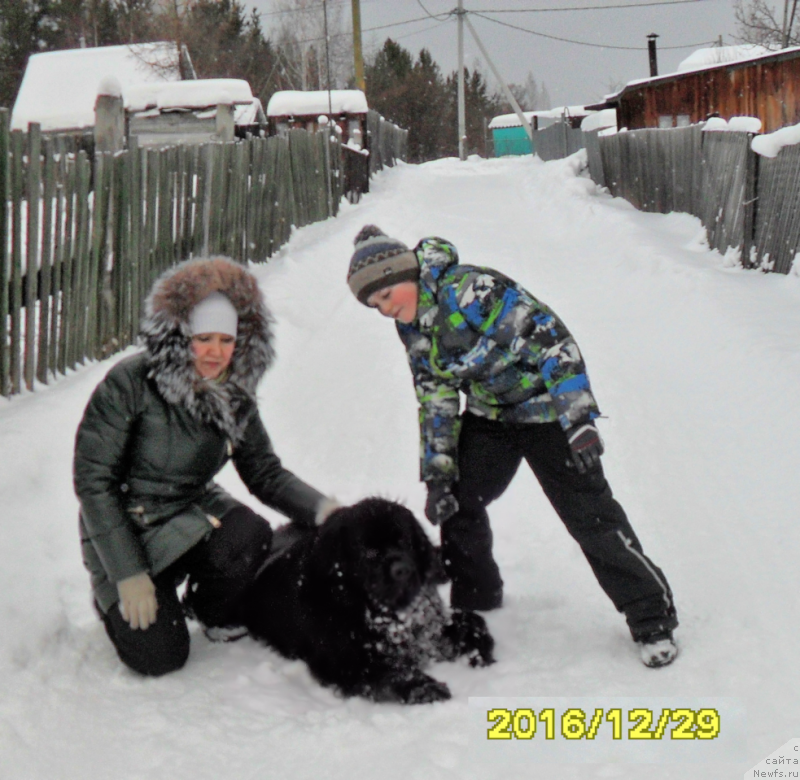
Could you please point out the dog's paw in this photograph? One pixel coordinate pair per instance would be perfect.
(427, 691)
(412, 688)
(471, 638)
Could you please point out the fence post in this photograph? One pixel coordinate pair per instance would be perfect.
(45, 293)
(32, 264)
(750, 206)
(109, 118)
(4, 256)
(17, 192)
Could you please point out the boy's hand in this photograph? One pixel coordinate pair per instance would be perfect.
(586, 446)
(137, 600)
(441, 504)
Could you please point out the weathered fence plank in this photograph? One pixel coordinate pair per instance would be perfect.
(5, 194)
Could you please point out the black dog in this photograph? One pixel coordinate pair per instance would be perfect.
(357, 601)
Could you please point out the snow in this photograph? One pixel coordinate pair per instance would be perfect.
(59, 88)
(770, 144)
(696, 366)
(736, 124)
(297, 103)
(721, 55)
(607, 118)
(197, 93)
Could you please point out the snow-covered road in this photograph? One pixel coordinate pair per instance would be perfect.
(696, 366)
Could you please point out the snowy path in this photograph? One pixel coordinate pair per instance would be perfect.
(697, 367)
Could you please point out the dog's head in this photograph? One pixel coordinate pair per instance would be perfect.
(373, 553)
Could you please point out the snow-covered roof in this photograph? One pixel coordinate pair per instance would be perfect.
(720, 55)
(59, 88)
(248, 113)
(602, 119)
(297, 103)
(512, 120)
(199, 93)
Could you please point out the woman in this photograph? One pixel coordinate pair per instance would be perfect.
(156, 431)
(474, 331)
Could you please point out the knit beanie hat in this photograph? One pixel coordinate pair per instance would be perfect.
(378, 262)
(214, 314)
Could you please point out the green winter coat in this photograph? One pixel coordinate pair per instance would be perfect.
(154, 435)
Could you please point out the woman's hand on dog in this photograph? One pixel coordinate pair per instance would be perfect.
(137, 600)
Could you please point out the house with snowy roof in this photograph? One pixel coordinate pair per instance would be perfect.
(59, 88)
(163, 101)
(192, 112)
(294, 109)
(727, 81)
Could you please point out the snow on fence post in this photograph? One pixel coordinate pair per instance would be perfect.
(109, 117)
(5, 192)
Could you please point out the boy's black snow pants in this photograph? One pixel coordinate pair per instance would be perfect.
(220, 568)
(489, 454)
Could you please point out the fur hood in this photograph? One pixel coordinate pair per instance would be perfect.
(167, 337)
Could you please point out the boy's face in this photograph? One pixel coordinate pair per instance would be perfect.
(398, 301)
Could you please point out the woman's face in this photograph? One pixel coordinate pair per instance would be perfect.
(212, 353)
(398, 301)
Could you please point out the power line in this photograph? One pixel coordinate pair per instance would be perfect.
(584, 7)
(369, 29)
(417, 32)
(584, 43)
(438, 17)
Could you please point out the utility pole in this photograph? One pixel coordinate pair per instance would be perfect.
(357, 52)
(506, 91)
(462, 109)
(327, 59)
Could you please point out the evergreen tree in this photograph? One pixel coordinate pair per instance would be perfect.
(414, 95)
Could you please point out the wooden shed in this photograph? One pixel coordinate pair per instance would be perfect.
(346, 108)
(765, 86)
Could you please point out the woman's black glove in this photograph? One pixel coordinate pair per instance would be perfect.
(586, 446)
(441, 504)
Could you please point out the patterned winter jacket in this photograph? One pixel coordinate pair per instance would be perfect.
(480, 333)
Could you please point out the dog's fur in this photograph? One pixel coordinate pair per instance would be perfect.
(357, 601)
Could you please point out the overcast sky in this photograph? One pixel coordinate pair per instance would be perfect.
(573, 73)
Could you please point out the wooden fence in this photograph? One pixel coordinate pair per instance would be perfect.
(82, 237)
(387, 142)
(557, 141)
(746, 202)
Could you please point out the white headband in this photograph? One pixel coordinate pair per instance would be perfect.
(214, 314)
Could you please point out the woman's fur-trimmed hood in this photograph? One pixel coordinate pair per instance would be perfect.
(168, 338)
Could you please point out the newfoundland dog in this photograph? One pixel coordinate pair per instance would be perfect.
(357, 601)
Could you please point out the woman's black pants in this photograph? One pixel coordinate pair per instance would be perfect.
(219, 568)
(489, 454)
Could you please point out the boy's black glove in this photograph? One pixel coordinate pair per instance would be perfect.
(441, 504)
(586, 446)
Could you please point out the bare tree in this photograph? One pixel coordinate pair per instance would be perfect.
(766, 24)
(299, 33)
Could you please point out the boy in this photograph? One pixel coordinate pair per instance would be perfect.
(473, 330)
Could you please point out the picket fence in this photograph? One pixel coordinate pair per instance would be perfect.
(748, 204)
(82, 237)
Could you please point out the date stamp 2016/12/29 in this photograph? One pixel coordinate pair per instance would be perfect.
(630, 729)
(574, 723)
